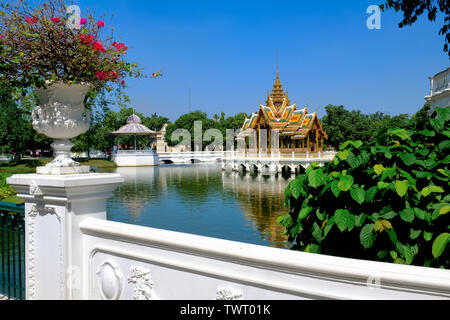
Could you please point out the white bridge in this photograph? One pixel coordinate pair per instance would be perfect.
(190, 157)
(274, 162)
(271, 163)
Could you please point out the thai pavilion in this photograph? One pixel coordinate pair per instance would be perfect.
(287, 128)
(134, 157)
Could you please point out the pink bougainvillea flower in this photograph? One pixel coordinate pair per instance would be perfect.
(2, 36)
(120, 46)
(86, 39)
(100, 24)
(83, 21)
(31, 20)
(98, 46)
(122, 82)
(101, 75)
(55, 19)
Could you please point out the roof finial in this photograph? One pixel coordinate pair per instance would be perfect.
(277, 64)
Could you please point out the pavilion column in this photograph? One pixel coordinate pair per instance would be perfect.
(321, 144)
(307, 145)
(316, 149)
(269, 134)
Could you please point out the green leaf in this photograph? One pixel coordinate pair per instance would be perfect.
(295, 188)
(423, 152)
(389, 173)
(444, 210)
(345, 183)
(382, 185)
(304, 213)
(295, 230)
(280, 220)
(429, 190)
(287, 221)
(389, 215)
(358, 144)
(408, 176)
(358, 194)
(407, 215)
(327, 230)
(442, 171)
(335, 189)
(401, 187)
(359, 220)
(408, 158)
(353, 161)
(427, 236)
(314, 248)
(317, 232)
(367, 236)
(345, 145)
(439, 244)
(401, 133)
(392, 235)
(408, 254)
(427, 133)
(344, 220)
(316, 178)
(343, 155)
(378, 168)
(394, 255)
(371, 193)
(414, 234)
(444, 145)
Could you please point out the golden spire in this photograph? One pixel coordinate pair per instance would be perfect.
(277, 92)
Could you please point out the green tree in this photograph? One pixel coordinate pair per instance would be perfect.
(186, 122)
(15, 130)
(342, 125)
(413, 9)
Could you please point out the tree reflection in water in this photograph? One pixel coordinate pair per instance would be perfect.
(201, 199)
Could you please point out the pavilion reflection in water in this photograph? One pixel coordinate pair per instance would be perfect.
(139, 184)
(262, 200)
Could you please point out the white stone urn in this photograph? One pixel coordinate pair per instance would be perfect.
(61, 115)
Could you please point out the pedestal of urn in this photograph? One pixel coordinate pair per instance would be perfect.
(61, 115)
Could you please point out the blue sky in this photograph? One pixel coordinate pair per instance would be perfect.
(225, 52)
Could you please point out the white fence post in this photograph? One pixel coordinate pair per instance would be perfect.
(55, 205)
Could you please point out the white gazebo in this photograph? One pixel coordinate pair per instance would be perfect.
(134, 158)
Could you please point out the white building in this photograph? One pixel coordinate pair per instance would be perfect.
(440, 90)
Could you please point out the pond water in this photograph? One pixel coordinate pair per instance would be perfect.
(201, 199)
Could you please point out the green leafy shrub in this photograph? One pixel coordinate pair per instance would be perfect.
(386, 200)
(5, 189)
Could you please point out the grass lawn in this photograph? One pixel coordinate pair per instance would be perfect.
(29, 165)
(13, 199)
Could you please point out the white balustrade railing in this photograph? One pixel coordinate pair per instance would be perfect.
(73, 253)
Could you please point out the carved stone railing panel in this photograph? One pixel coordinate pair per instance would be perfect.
(159, 264)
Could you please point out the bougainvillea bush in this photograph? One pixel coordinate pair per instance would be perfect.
(44, 44)
(385, 201)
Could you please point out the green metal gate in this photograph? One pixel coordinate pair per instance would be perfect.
(12, 251)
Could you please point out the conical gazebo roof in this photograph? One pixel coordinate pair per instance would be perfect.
(134, 127)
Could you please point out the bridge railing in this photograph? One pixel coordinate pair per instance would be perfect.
(239, 155)
(132, 152)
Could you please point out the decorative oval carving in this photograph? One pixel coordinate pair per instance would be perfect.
(109, 281)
